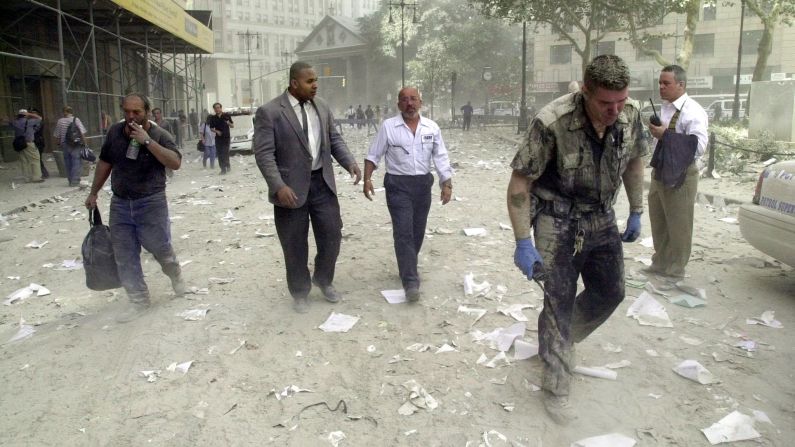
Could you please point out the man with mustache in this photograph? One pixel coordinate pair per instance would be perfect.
(294, 142)
(138, 153)
(409, 143)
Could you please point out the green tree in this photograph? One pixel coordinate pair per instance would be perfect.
(771, 13)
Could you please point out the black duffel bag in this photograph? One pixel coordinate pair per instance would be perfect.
(98, 260)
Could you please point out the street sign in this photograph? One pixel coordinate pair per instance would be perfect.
(699, 82)
(541, 87)
(744, 79)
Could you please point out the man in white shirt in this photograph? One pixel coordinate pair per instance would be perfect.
(409, 143)
(671, 208)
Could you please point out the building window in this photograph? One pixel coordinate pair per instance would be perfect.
(654, 43)
(560, 54)
(708, 12)
(604, 48)
(751, 41)
(704, 45)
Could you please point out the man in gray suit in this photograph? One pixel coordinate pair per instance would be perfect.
(294, 140)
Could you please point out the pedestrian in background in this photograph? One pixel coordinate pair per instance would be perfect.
(466, 112)
(222, 122)
(369, 115)
(137, 153)
(409, 143)
(294, 143)
(71, 149)
(26, 124)
(207, 135)
(565, 180)
(38, 140)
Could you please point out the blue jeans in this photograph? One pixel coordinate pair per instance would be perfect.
(141, 223)
(209, 153)
(408, 198)
(72, 162)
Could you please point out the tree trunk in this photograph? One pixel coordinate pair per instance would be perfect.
(764, 49)
(692, 11)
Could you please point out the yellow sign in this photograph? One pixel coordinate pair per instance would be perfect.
(169, 16)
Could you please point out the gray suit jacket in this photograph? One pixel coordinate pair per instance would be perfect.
(282, 152)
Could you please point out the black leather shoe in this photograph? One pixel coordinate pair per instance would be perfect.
(413, 294)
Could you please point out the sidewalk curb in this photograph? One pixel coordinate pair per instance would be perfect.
(647, 183)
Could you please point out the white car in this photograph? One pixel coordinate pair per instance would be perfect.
(769, 222)
(242, 134)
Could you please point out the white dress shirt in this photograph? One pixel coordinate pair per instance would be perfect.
(313, 120)
(407, 153)
(692, 120)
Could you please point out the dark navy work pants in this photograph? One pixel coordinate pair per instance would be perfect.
(408, 198)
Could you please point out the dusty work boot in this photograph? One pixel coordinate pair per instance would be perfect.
(132, 311)
(301, 304)
(413, 294)
(178, 284)
(558, 408)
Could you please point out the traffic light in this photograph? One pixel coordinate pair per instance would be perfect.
(343, 81)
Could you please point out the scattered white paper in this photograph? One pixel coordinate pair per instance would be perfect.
(523, 350)
(649, 312)
(619, 364)
(768, 318)
(151, 375)
(473, 288)
(181, 367)
(643, 260)
(761, 416)
(691, 369)
(446, 348)
(25, 293)
(505, 226)
(609, 347)
(500, 339)
(338, 323)
(418, 347)
(221, 280)
(475, 231)
(184, 263)
(289, 391)
(25, 331)
(731, 220)
(611, 440)
(596, 371)
(477, 313)
(499, 360)
(733, 427)
(335, 438)
(647, 242)
(261, 234)
(36, 244)
(193, 314)
(394, 296)
(515, 311)
(229, 217)
(71, 264)
(418, 399)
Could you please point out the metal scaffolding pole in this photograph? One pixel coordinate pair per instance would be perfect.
(96, 68)
(174, 71)
(147, 61)
(118, 44)
(60, 50)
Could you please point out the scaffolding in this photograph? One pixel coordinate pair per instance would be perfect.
(88, 54)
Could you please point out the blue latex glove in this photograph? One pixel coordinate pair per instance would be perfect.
(526, 257)
(633, 228)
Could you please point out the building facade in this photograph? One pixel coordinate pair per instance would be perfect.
(260, 37)
(712, 67)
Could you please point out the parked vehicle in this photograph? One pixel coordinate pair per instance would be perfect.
(242, 134)
(768, 223)
(726, 107)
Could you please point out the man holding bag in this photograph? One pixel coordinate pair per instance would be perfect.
(69, 132)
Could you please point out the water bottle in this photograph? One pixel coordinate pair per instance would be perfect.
(133, 148)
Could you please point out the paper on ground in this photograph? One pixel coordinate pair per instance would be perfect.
(691, 369)
(687, 300)
(193, 314)
(418, 399)
(394, 296)
(478, 313)
(181, 367)
(498, 360)
(25, 293)
(649, 312)
(36, 244)
(25, 331)
(475, 231)
(523, 350)
(611, 440)
(596, 371)
(647, 242)
(338, 323)
(515, 311)
(473, 288)
(71, 264)
(335, 438)
(289, 391)
(500, 339)
(733, 427)
(768, 318)
(446, 348)
(505, 226)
